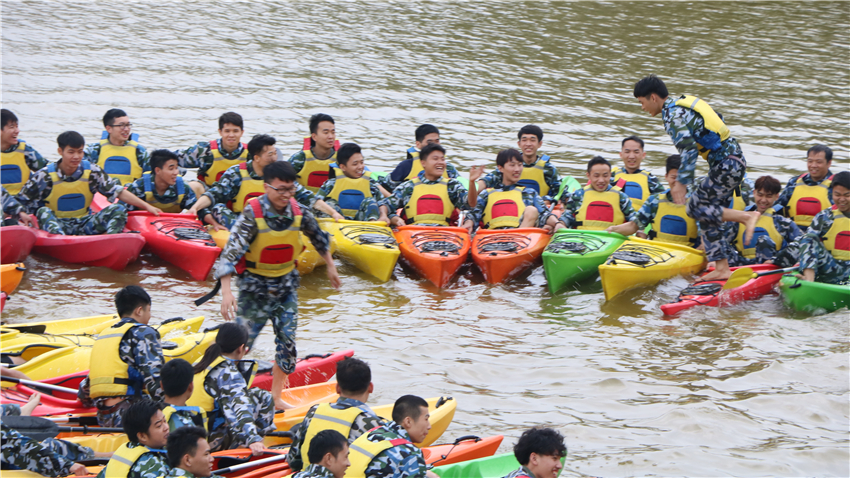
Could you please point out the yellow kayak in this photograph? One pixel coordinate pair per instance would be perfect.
(640, 262)
(14, 340)
(309, 259)
(370, 246)
(81, 325)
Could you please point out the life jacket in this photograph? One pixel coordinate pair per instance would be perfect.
(220, 163)
(315, 171)
(737, 200)
(362, 451)
(712, 122)
(274, 253)
(350, 193)
(599, 210)
(69, 198)
(764, 227)
(504, 208)
(198, 414)
(416, 165)
(328, 418)
(249, 188)
(635, 185)
(807, 201)
(168, 207)
(109, 376)
(201, 396)
(837, 238)
(672, 224)
(120, 162)
(533, 176)
(429, 203)
(14, 171)
(124, 458)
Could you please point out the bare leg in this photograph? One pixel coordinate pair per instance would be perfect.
(529, 217)
(278, 383)
(721, 271)
(747, 218)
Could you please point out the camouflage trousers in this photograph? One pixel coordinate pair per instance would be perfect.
(262, 409)
(50, 457)
(707, 200)
(110, 220)
(262, 298)
(224, 215)
(828, 269)
(368, 210)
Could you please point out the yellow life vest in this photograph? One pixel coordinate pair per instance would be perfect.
(220, 163)
(416, 165)
(635, 185)
(109, 376)
(429, 203)
(69, 198)
(534, 177)
(170, 410)
(599, 210)
(362, 451)
(14, 170)
(201, 397)
(807, 201)
(672, 224)
(169, 207)
(124, 458)
(315, 171)
(710, 118)
(274, 253)
(350, 193)
(328, 418)
(737, 201)
(504, 208)
(837, 238)
(249, 188)
(764, 227)
(120, 162)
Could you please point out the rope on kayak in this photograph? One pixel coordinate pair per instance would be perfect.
(575, 242)
(184, 230)
(365, 234)
(437, 241)
(510, 243)
(640, 255)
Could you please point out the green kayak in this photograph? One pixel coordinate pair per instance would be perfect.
(495, 466)
(573, 256)
(815, 297)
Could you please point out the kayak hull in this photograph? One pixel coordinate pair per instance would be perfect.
(495, 466)
(753, 289)
(814, 297)
(311, 369)
(114, 251)
(81, 325)
(10, 276)
(16, 243)
(369, 246)
(575, 255)
(179, 239)
(504, 253)
(436, 253)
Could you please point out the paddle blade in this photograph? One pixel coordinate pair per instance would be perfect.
(739, 277)
(34, 427)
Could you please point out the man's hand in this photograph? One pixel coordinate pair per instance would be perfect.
(256, 448)
(193, 210)
(209, 219)
(384, 219)
(475, 172)
(228, 304)
(333, 275)
(678, 191)
(468, 225)
(396, 221)
(560, 225)
(337, 216)
(25, 219)
(154, 210)
(79, 470)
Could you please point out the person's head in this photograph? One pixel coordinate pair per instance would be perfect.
(10, 128)
(164, 165)
(509, 163)
(530, 139)
(433, 158)
(280, 184)
(189, 450)
(818, 161)
(323, 130)
(354, 378)
(117, 124)
(330, 450)
(766, 192)
(71, 148)
(133, 301)
(540, 450)
(411, 412)
(599, 173)
(350, 160)
(144, 423)
(231, 340)
(651, 92)
(262, 151)
(230, 128)
(841, 191)
(632, 153)
(674, 161)
(177, 376)
(426, 134)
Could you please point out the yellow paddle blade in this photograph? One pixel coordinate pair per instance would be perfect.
(739, 277)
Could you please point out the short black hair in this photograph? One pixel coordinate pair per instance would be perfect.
(408, 406)
(7, 117)
(129, 298)
(232, 118)
(137, 418)
(674, 161)
(632, 138)
(161, 156)
(70, 138)
(768, 184)
(183, 441)
(530, 129)
(176, 376)
(318, 118)
(597, 160)
(506, 155)
(424, 130)
(282, 170)
(649, 85)
(257, 143)
(111, 115)
(346, 151)
(353, 375)
(430, 148)
(841, 179)
(821, 148)
(543, 441)
(326, 441)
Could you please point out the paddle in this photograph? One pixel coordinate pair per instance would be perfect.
(40, 429)
(250, 464)
(744, 274)
(45, 386)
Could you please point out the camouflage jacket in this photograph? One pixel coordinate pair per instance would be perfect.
(550, 175)
(521, 472)
(821, 224)
(181, 473)
(137, 188)
(39, 186)
(326, 189)
(184, 418)
(314, 471)
(149, 465)
(227, 187)
(50, 457)
(34, 160)
(142, 156)
(228, 386)
(647, 212)
(398, 175)
(529, 198)
(573, 202)
(402, 461)
(200, 155)
(401, 195)
(11, 206)
(141, 350)
(298, 159)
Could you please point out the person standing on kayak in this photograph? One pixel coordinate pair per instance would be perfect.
(119, 156)
(810, 193)
(213, 158)
(164, 188)
(637, 183)
(313, 162)
(67, 187)
(13, 209)
(189, 453)
(697, 130)
(825, 248)
(410, 167)
(18, 159)
(328, 456)
(352, 196)
(539, 452)
(177, 387)
(144, 456)
(598, 205)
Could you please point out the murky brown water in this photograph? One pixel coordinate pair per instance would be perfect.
(747, 391)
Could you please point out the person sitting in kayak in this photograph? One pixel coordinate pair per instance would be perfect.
(637, 183)
(164, 188)
(509, 205)
(144, 456)
(328, 456)
(349, 415)
(214, 157)
(67, 187)
(389, 450)
(189, 453)
(13, 209)
(598, 205)
(119, 155)
(810, 193)
(18, 160)
(825, 247)
(313, 162)
(177, 386)
(539, 452)
(430, 199)
(352, 196)
(410, 167)
(238, 416)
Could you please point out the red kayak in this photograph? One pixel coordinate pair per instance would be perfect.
(2, 301)
(180, 239)
(504, 253)
(709, 293)
(16, 243)
(104, 250)
(314, 368)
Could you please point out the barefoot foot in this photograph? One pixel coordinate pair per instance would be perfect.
(716, 275)
(279, 404)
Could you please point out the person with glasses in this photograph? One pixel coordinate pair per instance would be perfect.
(118, 155)
(18, 160)
(539, 452)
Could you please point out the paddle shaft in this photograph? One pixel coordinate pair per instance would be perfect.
(250, 464)
(743, 275)
(34, 384)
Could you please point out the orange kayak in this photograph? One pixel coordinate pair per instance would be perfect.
(436, 253)
(504, 253)
(10, 276)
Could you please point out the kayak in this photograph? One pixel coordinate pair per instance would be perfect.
(640, 262)
(16, 244)
(573, 256)
(309, 260)
(105, 250)
(180, 239)
(569, 184)
(80, 325)
(489, 467)
(709, 293)
(814, 297)
(14, 340)
(370, 246)
(314, 368)
(434, 252)
(2, 301)
(10, 276)
(503, 253)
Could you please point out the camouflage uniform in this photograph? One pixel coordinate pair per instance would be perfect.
(785, 196)
(181, 473)
(363, 423)
(243, 415)
(110, 220)
(401, 196)
(572, 205)
(550, 175)
(184, 418)
(727, 168)
(200, 155)
(765, 247)
(529, 198)
(521, 472)
(50, 457)
(10, 409)
(813, 254)
(149, 465)
(137, 188)
(403, 461)
(34, 160)
(314, 471)
(398, 175)
(11, 207)
(261, 297)
(368, 210)
(92, 154)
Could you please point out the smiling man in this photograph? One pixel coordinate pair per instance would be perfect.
(144, 456)
(352, 196)
(164, 188)
(119, 156)
(213, 158)
(825, 248)
(410, 167)
(598, 205)
(811, 192)
(539, 452)
(313, 162)
(637, 183)
(18, 160)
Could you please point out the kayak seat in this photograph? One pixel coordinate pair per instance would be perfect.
(634, 257)
(711, 288)
(168, 345)
(439, 246)
(576, 247)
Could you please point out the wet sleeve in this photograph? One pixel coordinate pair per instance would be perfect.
(320, 239)
(242, 233)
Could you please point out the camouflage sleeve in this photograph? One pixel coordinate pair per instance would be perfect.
(27, 454)
(452, 171)
(197, 156)
(189, 200)
(34, 160)
(476, 214)
(788, 228)
(572, 204)
(362, 424)
(626, 205)
(236, 406)
(148, 360)
(100, 182)
(373, 188)
(398, 462)
(531, 198)
(747, 191)
(458, 194)
(242, 234)
(92, 152)
(143, 157)
(137, 188)
(149, 465)
(297, 160)
(294, 456)
(11, 410)
(680, 124)
(654, 184)
(305, 196)
(326, 188)
(553, 180)
(321, 240)
(785, 196)
(37, 188)
(730, 232)
(491, 180)
(10, 205)
(399, 197)
(615, 170)
(821, 223)
(646, 214)
(227, 186)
